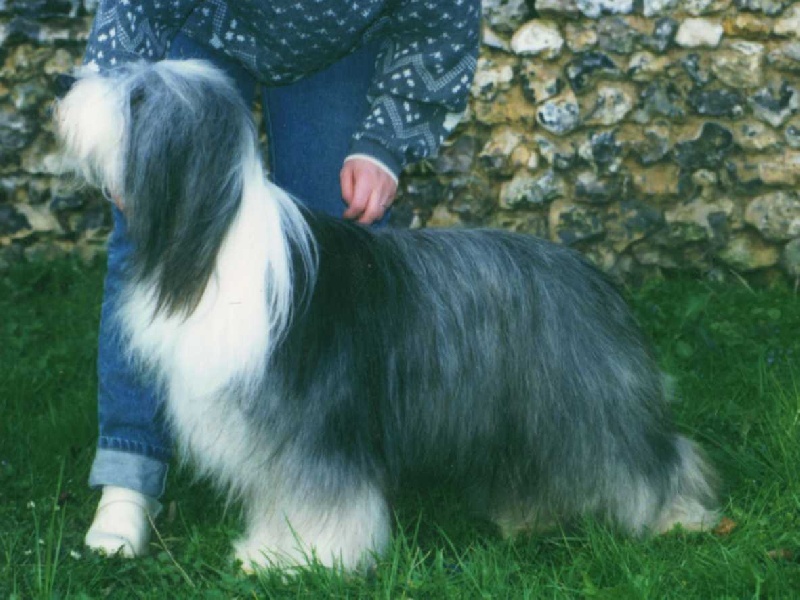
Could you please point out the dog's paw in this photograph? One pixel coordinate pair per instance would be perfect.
(254, 555)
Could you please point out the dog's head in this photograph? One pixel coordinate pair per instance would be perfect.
(169, 142)
(147, 125)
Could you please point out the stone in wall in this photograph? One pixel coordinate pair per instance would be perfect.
(540, 81)
(587, 67)
(767, 7)
(521, 222)
(17, 131)
(660, 99)
(609, 105)
(748, 26)
(698, 8)
(603, 151)
(728, 104)
(776, 215)
(785, 57)
(792, 133)
(790, 258)
(658, 181)
(699, 220)
(780, 169)
(560, 154)
(505, 16)
(496, 153)
(470, 196)
(559, 115)
(776, 103)
(593, 189)
(654, 8)
(789, 23)
(697, 66)
(646, 66)
(631, 221)
(12, 221)
(559, 7)
(748, 252)
(739, 64)
(756, 136)
(538, 38)
(580, 37)
(571, 223)
(616, 36)
(708, 150)
(662, 35)
(457, 156)
(491, 78)
(527, 189)
(697, 33)
(648, 145)
(596, 8)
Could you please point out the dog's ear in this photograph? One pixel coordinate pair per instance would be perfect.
(189, 133)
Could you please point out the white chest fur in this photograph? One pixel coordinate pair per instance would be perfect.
(227, 339)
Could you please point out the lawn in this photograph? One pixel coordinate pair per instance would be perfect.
(733, 351)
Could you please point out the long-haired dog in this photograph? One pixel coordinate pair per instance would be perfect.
(311, 366)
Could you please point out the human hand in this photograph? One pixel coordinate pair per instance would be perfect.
(367, 189)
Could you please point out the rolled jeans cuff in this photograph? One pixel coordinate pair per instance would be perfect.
(129, 470)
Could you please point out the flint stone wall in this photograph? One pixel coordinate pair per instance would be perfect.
(649, 134)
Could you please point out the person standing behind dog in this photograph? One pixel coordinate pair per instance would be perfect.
(352, 90)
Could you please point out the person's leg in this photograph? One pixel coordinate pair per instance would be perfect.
(134, 446)
(309, 126)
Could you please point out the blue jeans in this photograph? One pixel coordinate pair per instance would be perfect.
(309, 124)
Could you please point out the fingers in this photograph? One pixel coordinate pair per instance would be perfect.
(376, 208)
(359, 190)
(348, 182)
(367, 189)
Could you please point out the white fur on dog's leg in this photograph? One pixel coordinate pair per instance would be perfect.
(346, 536)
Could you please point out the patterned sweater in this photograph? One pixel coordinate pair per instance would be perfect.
(424, 68)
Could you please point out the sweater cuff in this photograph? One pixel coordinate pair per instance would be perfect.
(378, 154)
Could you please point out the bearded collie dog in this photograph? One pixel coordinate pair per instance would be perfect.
(311, 367)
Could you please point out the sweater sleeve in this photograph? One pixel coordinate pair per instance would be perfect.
(423, 74)
(125, 30)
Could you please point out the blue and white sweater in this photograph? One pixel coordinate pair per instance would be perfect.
(424, 69)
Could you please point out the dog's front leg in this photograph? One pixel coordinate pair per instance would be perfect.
(287, 528)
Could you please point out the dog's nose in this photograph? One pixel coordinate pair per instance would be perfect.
(63, 84)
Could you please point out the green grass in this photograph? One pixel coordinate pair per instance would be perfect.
(733, 351)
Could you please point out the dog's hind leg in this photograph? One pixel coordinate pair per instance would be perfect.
(682, 495)
(294, 528)
(690, 504)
